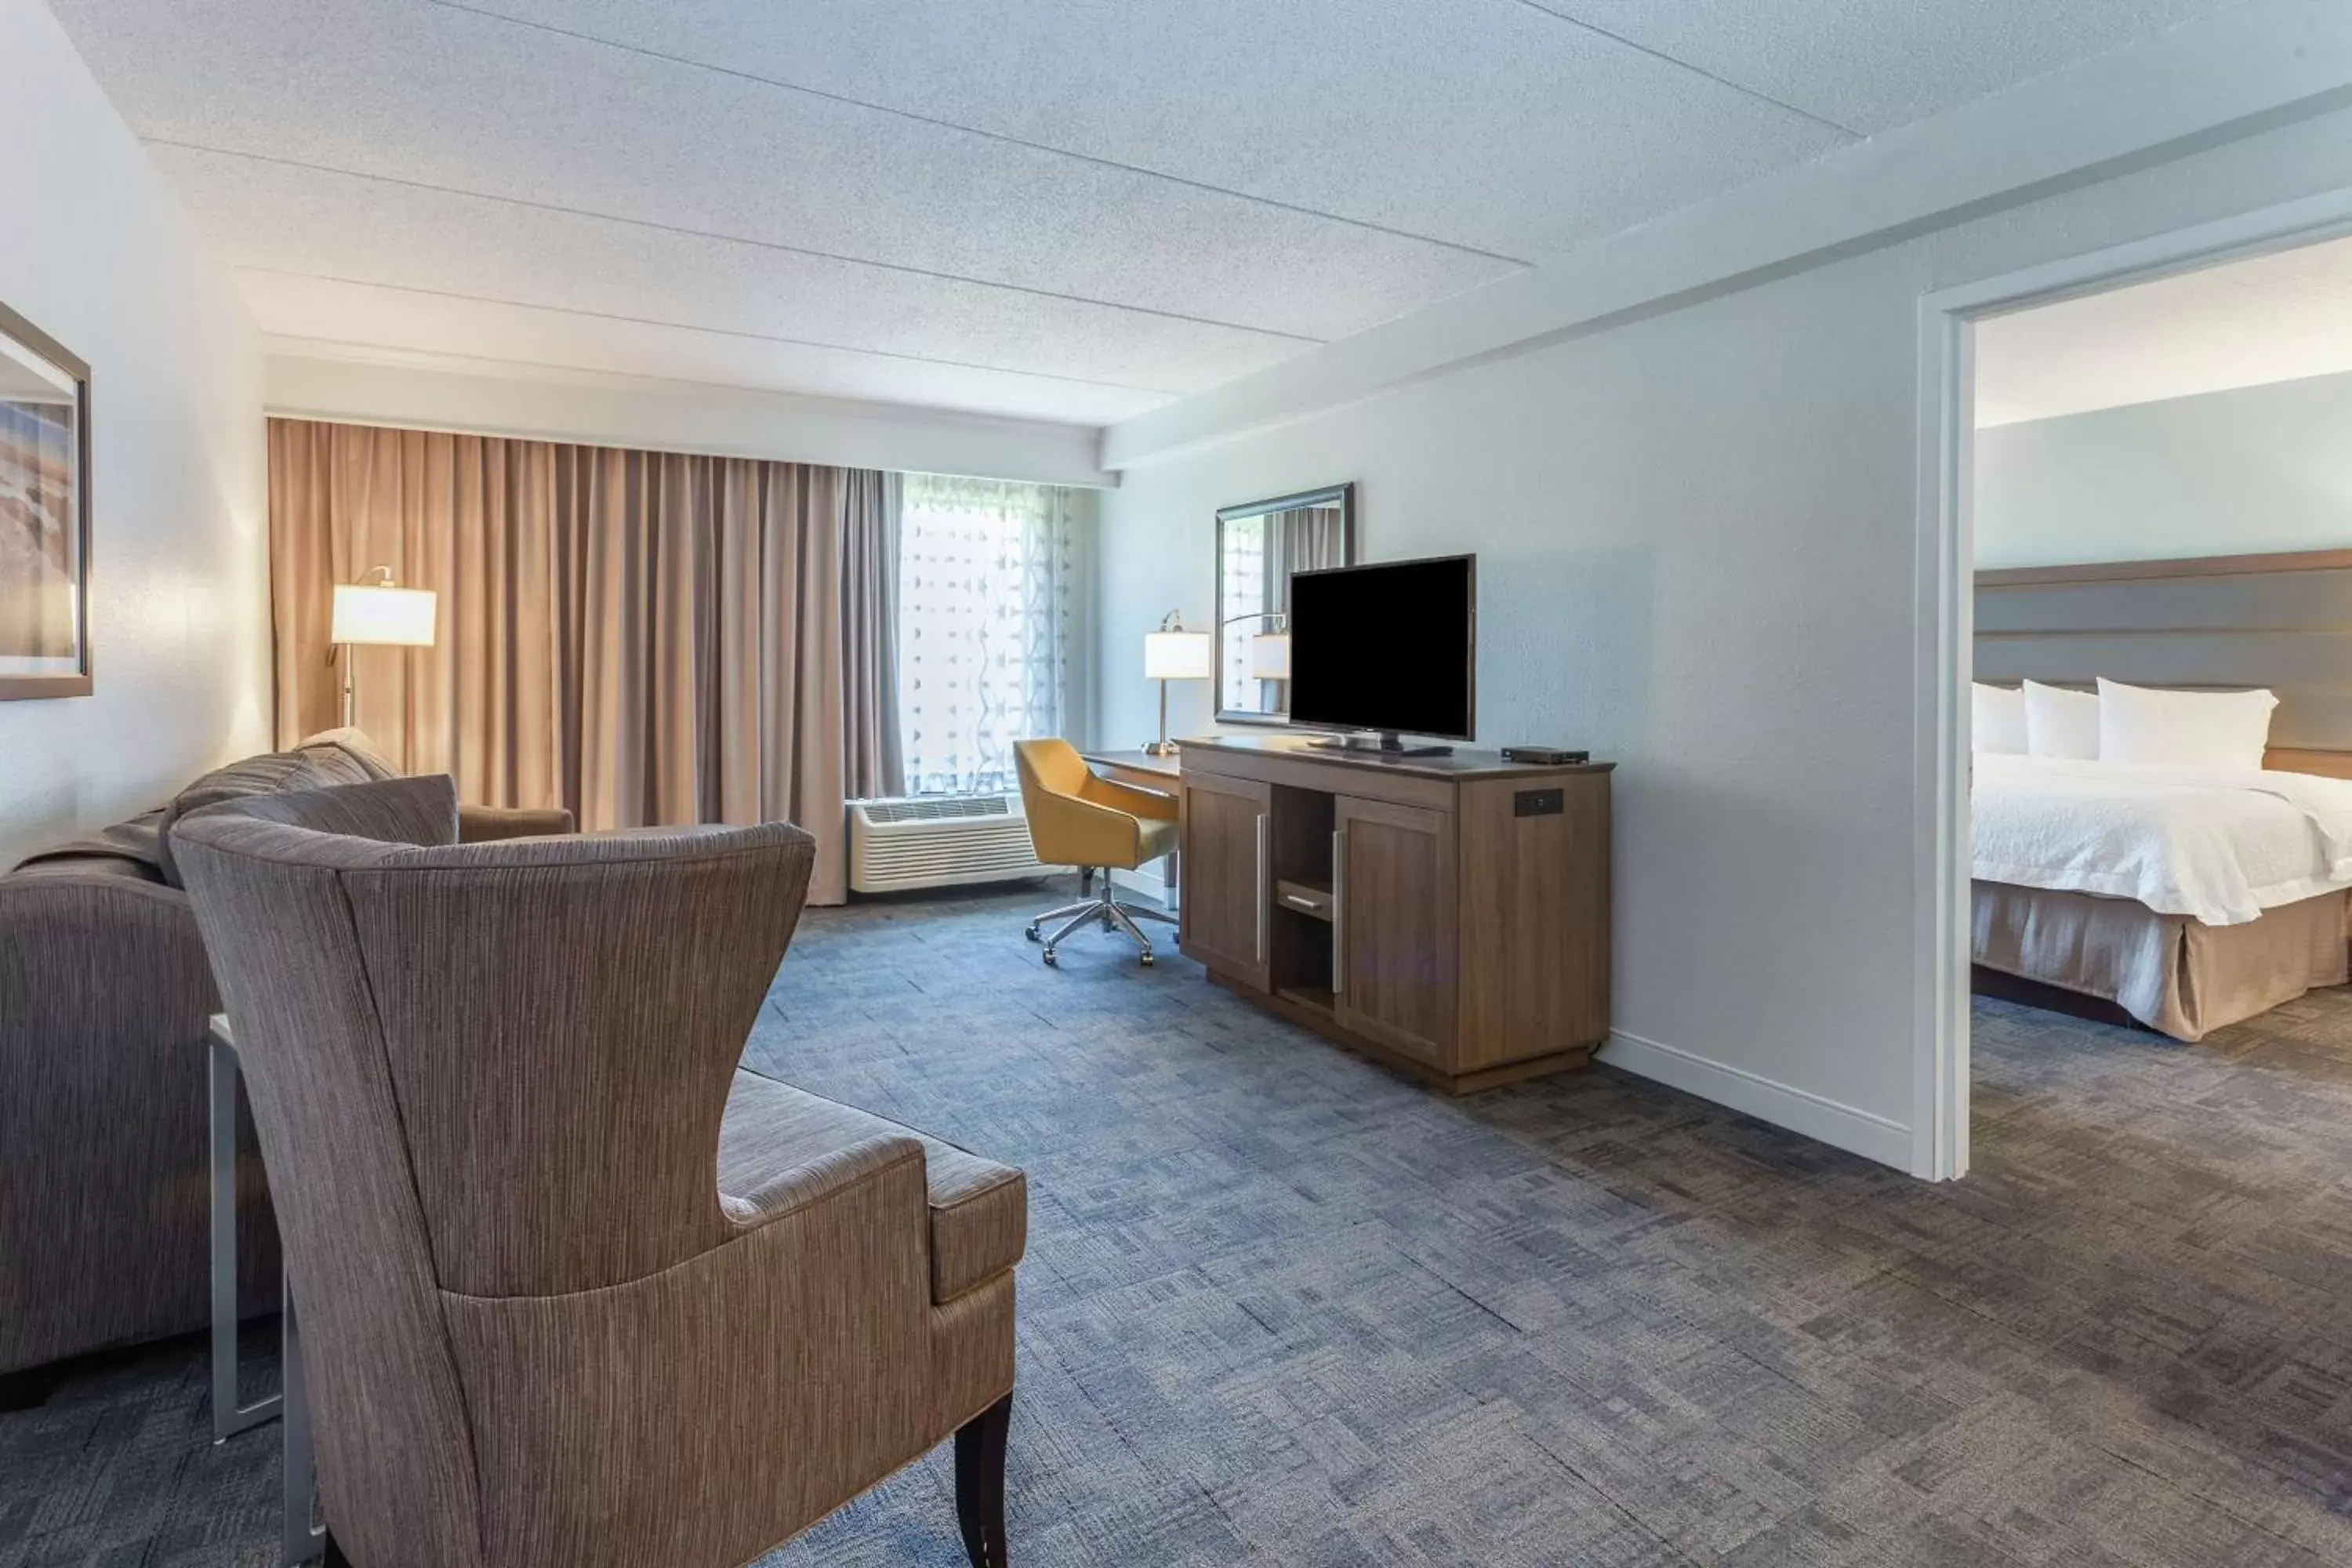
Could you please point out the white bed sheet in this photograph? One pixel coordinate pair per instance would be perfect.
(2216, 844)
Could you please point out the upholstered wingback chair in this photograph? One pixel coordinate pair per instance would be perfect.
(574, 1292)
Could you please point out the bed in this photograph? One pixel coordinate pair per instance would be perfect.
(2189, 899)
(2186, 900)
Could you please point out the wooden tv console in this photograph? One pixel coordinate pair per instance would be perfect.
(1448, 916)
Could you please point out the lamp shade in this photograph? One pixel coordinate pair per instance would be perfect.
(1270, 656)
(366, 614)
(1178, 656)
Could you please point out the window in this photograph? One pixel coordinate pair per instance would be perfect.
(985, 582)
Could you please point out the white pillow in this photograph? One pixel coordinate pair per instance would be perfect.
(2061, 723)
(1996, 719)
(2186, 728)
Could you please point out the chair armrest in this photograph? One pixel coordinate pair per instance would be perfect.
(829, 1175)
(486, 824)
(1135, 801)
(105, 958)
(808, 1333)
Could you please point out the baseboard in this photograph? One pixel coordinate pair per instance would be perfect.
(1828, 1121)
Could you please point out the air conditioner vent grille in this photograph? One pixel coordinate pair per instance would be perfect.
(936, 808)
(939, 841)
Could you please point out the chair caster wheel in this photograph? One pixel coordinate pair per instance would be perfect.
(1147, 961)
(1053, 963)
(1032, 934)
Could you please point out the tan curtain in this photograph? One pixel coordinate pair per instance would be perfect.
(645, 638)
(873, 754)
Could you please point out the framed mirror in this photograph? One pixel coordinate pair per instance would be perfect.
(44, 515)
(1259, 544)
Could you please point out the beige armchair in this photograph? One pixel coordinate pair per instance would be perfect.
(574, 1290)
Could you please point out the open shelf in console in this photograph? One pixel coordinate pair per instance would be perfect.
(1299, 891)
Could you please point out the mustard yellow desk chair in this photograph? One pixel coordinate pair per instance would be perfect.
(1078, 820)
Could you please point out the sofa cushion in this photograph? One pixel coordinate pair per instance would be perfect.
(979, 1209)
(355, 740)
(319, 764)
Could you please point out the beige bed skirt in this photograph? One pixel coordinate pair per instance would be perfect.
(2171, 973)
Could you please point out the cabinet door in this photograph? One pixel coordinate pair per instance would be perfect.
(1222, 916)
(1393, 931)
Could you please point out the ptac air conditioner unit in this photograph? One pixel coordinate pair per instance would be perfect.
(939, 841)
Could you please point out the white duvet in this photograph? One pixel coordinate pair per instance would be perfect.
(2218, 845)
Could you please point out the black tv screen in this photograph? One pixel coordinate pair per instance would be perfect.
(1392, 647)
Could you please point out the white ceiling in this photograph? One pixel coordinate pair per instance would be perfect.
(1068, 209)
(2273, 318)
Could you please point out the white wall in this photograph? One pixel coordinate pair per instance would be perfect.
(2224, 473)
(95, 254)
(1696, 529)
(551, 404)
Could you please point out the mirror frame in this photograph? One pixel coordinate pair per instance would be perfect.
(1343, 496)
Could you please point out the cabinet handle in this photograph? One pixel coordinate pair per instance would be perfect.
(1261, 887)
(1339, 911)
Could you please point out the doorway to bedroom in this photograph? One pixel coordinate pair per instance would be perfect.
(2151, 745)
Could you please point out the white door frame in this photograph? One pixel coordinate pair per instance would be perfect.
(1946, 571)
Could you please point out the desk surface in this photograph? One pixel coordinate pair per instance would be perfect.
(1134, 761)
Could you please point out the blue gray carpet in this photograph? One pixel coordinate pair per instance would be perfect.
(1281, 1307)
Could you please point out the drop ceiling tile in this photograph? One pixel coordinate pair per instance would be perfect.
(1488, 123)
(1873, 65)
(335, 318)
(289, 219)
(450, 98)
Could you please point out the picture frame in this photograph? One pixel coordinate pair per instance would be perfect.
(45, 516)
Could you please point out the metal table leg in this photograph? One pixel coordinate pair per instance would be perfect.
(305, 1538)
(229, 1417)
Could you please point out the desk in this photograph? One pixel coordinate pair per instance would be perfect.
(1141, 770)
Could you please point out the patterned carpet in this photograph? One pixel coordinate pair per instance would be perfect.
(1280, 1307)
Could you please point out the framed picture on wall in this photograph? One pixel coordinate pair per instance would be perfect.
(44, 515)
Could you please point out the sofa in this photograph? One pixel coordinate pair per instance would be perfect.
(104, 994)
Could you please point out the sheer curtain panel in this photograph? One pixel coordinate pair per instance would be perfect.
(986, 646)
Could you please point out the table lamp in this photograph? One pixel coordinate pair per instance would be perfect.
(1270, 649)
(1171, 653)
(378, 614)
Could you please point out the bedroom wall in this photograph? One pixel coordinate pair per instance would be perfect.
(1696, 528)
(95, 254)
(2240, 472)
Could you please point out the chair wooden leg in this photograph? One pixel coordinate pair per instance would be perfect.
(980, 1483)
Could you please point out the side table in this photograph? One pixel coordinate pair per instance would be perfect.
(303, 1539)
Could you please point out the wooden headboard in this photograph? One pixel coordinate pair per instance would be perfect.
(2281, 621)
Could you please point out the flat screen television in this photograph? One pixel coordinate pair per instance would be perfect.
(1391, 647)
